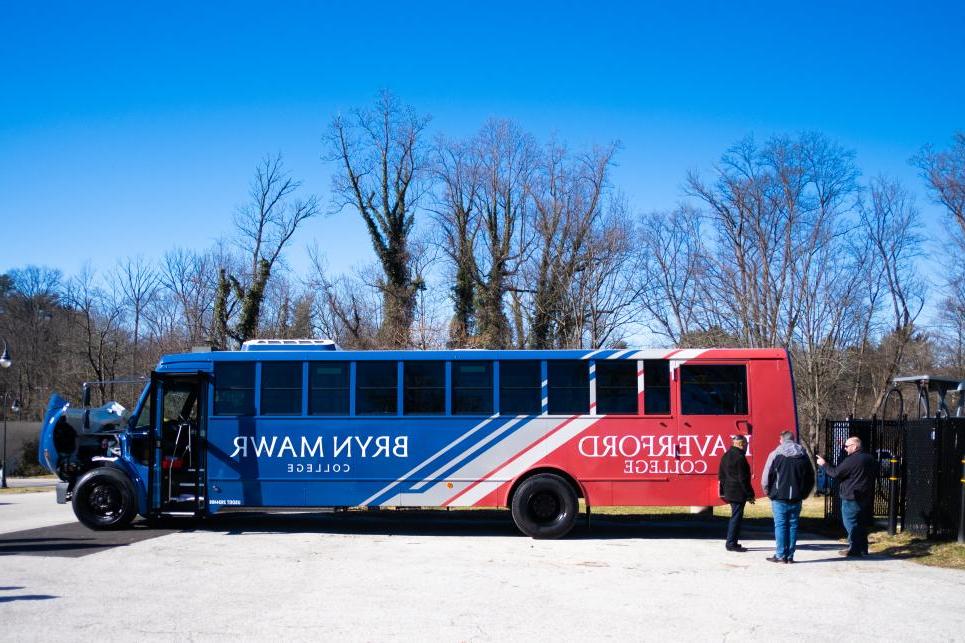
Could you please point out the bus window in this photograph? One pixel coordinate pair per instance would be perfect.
(328, 384)
(375, 388)
(616, 387)
(656, 387)
(520, 388)
(281, 388)
(234, 389)
(569, 387)
(472, 388)
(713, 390)
(425, 388)
(146, 417)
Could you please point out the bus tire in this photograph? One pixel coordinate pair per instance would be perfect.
(545, 506)
(104, 498)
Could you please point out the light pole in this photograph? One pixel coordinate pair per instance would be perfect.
(5, 362)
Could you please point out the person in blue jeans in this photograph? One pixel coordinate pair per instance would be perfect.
(856, 475)
(787, 480)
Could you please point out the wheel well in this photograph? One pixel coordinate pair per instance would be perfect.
(570, 480)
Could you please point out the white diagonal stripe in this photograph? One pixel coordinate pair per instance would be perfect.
(476, 447)
(430, 459)
(525, 461)
(488, 460)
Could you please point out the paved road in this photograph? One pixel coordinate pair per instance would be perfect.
(448, 576)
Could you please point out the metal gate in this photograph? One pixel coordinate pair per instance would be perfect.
(881, 438)
(933, 475)
(928, 455)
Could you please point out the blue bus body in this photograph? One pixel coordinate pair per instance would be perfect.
(293, 425)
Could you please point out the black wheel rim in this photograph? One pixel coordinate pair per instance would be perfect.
(544, 507)
(104, 501)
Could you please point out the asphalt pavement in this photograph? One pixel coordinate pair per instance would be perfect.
(461, 575)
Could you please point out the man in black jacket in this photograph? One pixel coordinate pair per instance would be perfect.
(856, 476)
(787, 480)
(734, 484)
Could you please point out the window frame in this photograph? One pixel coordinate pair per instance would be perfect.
(348, 389)
(300, 388)
(549, 386)
(406, 388)
(632, 364)
(255, 376)
(452, 387)
(396, 388)
(747, 388)
(500, 385)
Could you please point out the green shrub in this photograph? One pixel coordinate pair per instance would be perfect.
(28, 464)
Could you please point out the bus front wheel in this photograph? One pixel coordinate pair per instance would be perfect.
(545, 506)
(104, 499)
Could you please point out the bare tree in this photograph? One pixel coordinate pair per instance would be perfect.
(603, 298)
(98, 317)
(673, 274)
(458, 174)
(139, 283)
(265, 226)
(190, 279)
(890, 223)
(567, 196)
(382, 169)
(507, 159)
(346, 309)
(944, 174)
(34, 324)
(775, 209)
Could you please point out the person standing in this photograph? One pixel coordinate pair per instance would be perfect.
(787, 480)
(734, 485)
(856, 476)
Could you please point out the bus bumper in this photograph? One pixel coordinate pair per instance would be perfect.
(62, 493)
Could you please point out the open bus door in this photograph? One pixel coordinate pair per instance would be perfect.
(178, 462)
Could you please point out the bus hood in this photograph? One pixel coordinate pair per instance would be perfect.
(47, 453)
(63, 423)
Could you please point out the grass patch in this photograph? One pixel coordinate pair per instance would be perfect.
(15, 490)
(920, 550)
(813, 509)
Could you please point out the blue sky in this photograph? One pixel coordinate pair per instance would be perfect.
(131, 128)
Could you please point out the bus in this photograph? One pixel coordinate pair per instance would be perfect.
(303, 424)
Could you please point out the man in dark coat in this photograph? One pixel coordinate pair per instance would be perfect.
(788, 479)
(734, 484)
(856, 476)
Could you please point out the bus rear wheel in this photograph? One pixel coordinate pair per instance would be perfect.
(545, 506)
(104, 499)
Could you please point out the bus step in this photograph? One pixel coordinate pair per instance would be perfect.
(180, 514)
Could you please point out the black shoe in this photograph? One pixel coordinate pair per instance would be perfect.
(736, 548)
(775, 559)
(789, 561)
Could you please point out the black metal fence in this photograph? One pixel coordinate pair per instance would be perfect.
(933, 474)
(928, 456)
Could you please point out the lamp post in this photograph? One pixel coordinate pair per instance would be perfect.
(5, 362)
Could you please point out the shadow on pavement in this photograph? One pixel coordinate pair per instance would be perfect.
(27, 597)
(72, 540)
(471, 523)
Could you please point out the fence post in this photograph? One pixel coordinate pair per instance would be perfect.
(893, 497)
(961, 509)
